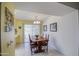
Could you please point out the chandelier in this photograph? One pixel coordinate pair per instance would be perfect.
(36, 21)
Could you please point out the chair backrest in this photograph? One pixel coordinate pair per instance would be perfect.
(47, 36)
(30, 39)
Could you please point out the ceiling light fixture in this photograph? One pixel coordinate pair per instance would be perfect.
(36, 21)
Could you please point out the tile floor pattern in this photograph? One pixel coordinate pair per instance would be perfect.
(24, 50)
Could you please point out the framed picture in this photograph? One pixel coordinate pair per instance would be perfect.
(45, 27)
(53, 27)
(9, 20)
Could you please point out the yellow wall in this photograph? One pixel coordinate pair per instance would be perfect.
(20, 22)
(18, 35)
(6, 37)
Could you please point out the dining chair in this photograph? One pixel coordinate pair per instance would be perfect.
(33, 45)
(45, 44)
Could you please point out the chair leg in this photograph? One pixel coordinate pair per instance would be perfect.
(47, 49)
(31, 51)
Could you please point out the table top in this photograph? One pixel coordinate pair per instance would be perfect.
(40, 39)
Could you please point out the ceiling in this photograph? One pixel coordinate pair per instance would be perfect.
(71, 4)
(26, 15)
(28, 10)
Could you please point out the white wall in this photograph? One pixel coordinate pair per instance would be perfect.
(78, 33)
(52, 35)
(65, 39)
(69, 33)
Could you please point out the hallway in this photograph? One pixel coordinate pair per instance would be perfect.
(24, 50)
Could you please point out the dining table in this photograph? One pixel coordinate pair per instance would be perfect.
(40, 42)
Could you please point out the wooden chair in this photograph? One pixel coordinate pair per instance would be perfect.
(45, 44)
(33, 45)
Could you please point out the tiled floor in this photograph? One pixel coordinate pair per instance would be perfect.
(24, 50)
